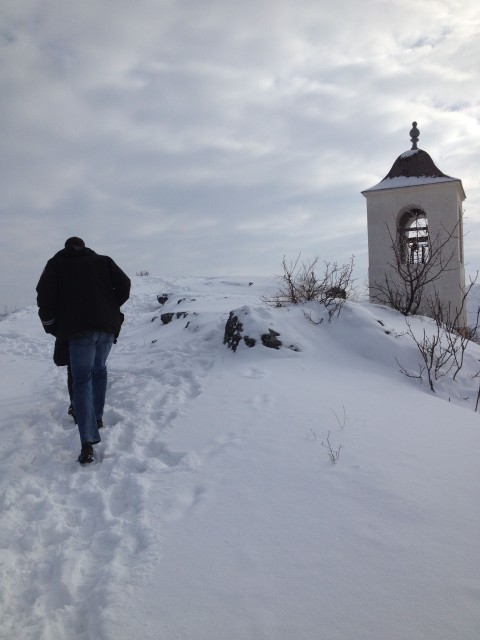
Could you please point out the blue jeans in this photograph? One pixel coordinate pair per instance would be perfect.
(88, 354)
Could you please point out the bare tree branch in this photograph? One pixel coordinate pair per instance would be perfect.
(333, 454)
(405, 288)
(301, 284)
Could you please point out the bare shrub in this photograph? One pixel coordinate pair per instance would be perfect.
(436, 353)
(333, 454)
(457, 337)
(443, 350)
(301, 284)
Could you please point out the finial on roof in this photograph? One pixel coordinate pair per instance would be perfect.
(414, 133)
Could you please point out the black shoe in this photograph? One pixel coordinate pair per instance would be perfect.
(99, 424)
(71, 412)
(86, 454)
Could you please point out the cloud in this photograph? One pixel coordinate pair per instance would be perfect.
(214, 137)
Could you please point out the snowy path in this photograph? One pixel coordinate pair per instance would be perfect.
(61, 522)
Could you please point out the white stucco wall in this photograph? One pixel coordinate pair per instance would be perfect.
(441, 200)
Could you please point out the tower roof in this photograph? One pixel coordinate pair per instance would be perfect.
(415, 163)
(411, 168)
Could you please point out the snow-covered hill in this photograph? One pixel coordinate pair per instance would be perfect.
(215, 512)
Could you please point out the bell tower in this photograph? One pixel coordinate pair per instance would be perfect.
(415, 236)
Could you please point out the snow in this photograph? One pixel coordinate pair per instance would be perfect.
(214, 511)
(409, 153)
(404, 181)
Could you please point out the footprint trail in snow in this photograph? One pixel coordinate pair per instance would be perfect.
(61, 521)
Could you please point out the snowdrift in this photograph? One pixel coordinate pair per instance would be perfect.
(215, 510)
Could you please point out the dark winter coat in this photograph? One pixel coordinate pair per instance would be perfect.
(80, 290)
(61, 353)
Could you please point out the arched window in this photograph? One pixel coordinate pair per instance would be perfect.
(413, 237)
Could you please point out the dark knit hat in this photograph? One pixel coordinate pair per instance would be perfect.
(76, 243)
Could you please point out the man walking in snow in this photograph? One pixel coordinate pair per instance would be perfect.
(79, 296)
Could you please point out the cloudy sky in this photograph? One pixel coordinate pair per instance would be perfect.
(212, 137)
